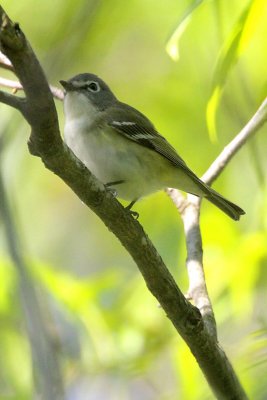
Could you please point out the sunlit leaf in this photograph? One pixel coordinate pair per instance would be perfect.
(257, 11)
(230, 50)
(246, 264)
(184, 362)
(14, 349)
(75, 293)
(212, 107)
(7, 281)
(172, 46)
(227, 58)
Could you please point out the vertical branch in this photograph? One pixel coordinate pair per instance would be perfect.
(189, 208)
(197, 290)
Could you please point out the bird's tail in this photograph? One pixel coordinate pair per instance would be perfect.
(225, 205)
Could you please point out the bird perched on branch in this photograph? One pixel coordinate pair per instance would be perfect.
(123, 149)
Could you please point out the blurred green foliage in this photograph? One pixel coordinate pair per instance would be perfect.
(112, 339)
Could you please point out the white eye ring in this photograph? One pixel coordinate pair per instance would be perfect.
(93, 87)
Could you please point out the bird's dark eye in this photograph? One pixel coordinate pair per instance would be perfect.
(93, 86)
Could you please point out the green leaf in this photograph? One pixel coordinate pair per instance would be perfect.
(172, 46)
(231, 50)
(257, 12)
(7, 284)
(212, 107)
(74, 292)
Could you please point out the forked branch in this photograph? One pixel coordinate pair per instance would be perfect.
(189, 208)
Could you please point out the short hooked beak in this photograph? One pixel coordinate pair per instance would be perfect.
(68, 86)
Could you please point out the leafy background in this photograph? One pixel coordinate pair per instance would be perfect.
(197, 69)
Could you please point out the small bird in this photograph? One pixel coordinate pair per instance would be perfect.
(123, 149)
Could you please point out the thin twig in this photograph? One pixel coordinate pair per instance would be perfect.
(16, 85)
(5, 63)
(189, 208)
(253, 125)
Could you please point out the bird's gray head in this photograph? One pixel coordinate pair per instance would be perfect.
(92, 87)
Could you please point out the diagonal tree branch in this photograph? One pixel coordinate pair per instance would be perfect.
(46, 142)
(189, 209)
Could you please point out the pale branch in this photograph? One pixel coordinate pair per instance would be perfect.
(5, 63)
(57, 93)
(197, 290)
(46, 142)
(253, 126)
(15, 85)
(189, 208)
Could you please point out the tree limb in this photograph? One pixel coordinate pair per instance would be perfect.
(45, 141)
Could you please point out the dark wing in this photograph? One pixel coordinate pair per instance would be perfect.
(135, 126)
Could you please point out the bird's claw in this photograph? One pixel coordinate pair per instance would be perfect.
(109, 187)
(134, 214)
(111, 190)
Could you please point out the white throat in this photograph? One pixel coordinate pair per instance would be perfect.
(77, 105)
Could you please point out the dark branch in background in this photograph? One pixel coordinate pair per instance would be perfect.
(45, 365)
(13, 101)
(198, 331)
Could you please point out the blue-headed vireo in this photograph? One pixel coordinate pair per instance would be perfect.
(123, 149)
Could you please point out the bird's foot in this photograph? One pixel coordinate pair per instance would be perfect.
(134, 214)
(109, 187)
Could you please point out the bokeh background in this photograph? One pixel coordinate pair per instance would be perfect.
(169, 59)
